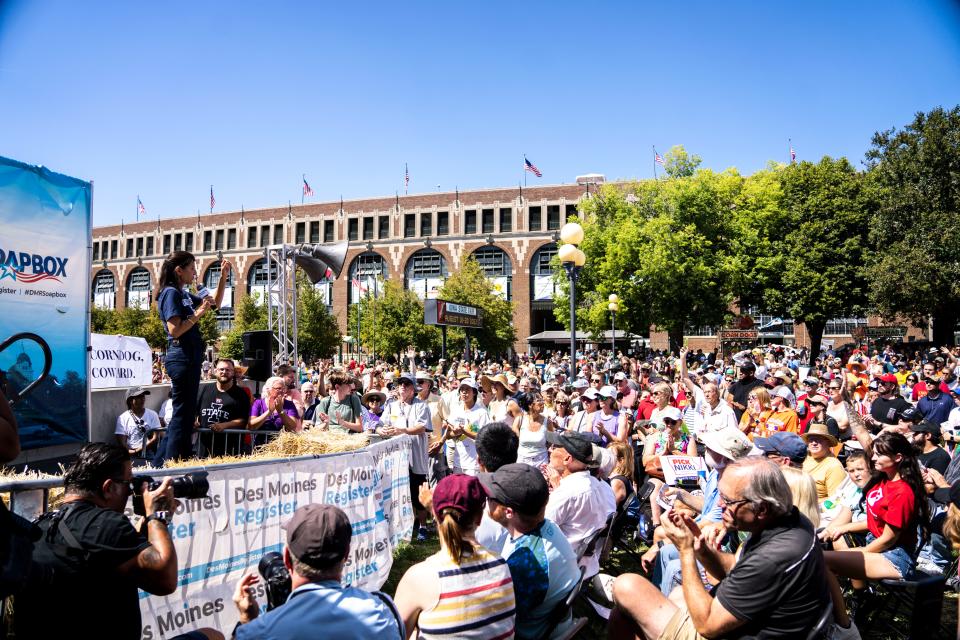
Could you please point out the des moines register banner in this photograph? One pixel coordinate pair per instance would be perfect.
(45, 293)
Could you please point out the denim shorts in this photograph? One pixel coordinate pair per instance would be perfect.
(899, 558)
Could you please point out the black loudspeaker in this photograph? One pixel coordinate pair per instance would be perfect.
(258, 354)
(331, 255)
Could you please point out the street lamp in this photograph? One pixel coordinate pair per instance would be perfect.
(613, 306)
(572, 259)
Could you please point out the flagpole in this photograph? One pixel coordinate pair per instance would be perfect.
(524, 167)
(303, 188)
(373, 322)
(211, 201)
(655, 163)
(138, 207)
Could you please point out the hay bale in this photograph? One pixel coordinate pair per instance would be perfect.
(288, 445)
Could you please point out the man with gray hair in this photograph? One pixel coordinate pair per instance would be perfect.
(777, 587)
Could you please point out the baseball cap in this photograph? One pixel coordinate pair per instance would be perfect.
(889, 378)
(590, 394)
(620, 376)
(319, 535)
(782, 392)
(518, 486)
(911, 414)
(576, 445)
(460, 492)
(672, 413)
(136, 392)
(469, 382)
(607, 392)
(729, 442)
(580, 383)
(811, 380)
(926, 426)
(409, 377)
(784, 443)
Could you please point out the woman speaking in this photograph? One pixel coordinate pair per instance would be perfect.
(181, 311)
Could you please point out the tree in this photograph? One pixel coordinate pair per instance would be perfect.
(914, 268)
(248, 316)
(399, 321)
(664, 251)
(470, 286)
(677, 163)
(101, 320)
(318, 335)
(825, 245)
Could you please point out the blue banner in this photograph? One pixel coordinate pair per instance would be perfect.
(45, 297)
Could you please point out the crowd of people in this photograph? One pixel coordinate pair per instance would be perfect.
(817, 481)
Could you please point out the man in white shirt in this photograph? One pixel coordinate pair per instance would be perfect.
(137, 427)
(409, 415)
(580, 503)
(717, 414)
(464, 425)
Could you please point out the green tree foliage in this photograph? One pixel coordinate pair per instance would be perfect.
(129, 321)
(915, 269)
(470, 286)
(665, 252)
(398, 313)
(248, 316)
(318, 335)
(680, 164)
(824, 244)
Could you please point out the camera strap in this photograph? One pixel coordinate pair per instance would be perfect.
(393, 609)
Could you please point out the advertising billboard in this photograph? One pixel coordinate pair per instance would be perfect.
(45, 296)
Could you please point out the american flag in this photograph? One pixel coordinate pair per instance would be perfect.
(140, 208)
(213, 201)
(307, 191)
(532, 168)
(359, 285)
(793, 155)
(657, 158)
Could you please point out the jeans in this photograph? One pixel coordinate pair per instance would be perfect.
(666, 569)
(184, 372)
(937, 549)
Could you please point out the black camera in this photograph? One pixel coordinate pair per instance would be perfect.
(190, 487)
(276, 579)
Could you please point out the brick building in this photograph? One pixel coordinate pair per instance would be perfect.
(415, 239)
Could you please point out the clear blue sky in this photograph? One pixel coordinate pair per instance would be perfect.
(165, 99)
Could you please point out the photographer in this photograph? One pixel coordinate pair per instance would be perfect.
(318, 546)
(94, 559)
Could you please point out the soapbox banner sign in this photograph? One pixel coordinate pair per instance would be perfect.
(223, 536)
(119, 361)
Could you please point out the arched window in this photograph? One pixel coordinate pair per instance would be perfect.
(211, 280)
(497, 267)
(257, 280)
(425, 273)
(139, 284)
(367, 273)
(104, 292)
(541, 273)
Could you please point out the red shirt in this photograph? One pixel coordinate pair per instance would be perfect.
(645, 408)
(894, 503)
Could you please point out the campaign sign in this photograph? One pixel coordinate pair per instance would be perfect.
(683, 469)
(119, 361)
(221, 537)
(45, 294)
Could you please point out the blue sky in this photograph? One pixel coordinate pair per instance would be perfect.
(165, 99)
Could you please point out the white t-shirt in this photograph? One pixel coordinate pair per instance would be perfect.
(401, 415)
(136, 428)
(473, 419)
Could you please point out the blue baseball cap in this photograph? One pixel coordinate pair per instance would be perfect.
(784, 443)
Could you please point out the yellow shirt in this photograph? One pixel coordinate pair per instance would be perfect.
(828, 473)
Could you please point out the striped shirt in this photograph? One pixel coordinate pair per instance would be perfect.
(476, 598)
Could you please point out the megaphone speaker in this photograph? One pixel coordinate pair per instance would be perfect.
(332, 255)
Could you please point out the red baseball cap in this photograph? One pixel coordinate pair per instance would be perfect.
(889, 377)
(460, 492)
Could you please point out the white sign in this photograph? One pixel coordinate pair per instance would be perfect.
(543, 287)
(223, 536)
(119, 361)
(683, 469)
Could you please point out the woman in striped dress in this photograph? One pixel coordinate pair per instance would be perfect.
(463, 590)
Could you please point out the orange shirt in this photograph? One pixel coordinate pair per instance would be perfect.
(786, 420)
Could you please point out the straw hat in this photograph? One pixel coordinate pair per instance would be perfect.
(487, 382)
(821, 430)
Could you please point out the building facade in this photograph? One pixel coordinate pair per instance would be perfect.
(415, 239)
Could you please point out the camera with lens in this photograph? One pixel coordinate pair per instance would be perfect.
(276, 579)
(189, 487)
